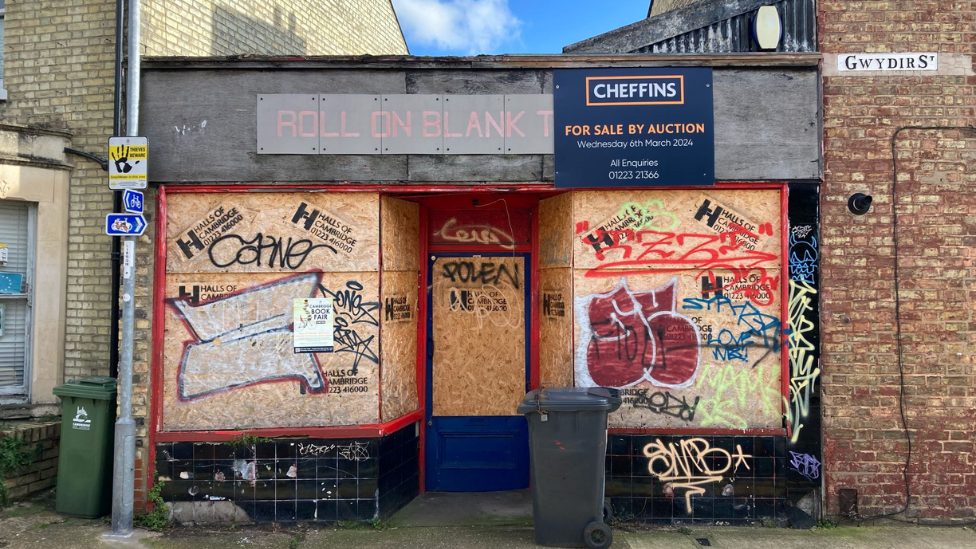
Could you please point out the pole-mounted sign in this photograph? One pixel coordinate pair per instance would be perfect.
(133, 201)
(128, 163)
(124, 224)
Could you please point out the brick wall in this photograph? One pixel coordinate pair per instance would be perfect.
(43, 474)
(270, 27)
(865, 448)
(58, 73)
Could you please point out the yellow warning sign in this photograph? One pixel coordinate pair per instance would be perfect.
(128, 163)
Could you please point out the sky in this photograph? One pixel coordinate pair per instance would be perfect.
(472, 27)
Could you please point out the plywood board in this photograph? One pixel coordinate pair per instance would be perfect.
(228, 360)
(400, 222)
(556, 327)
(671, 231)
(684, 358)
(478, 335)
(556, 232)
(272, 232)
(399, 343)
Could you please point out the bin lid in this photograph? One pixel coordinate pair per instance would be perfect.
(570, 399)
(97, 388)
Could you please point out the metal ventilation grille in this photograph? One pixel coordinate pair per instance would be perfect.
(734, 35)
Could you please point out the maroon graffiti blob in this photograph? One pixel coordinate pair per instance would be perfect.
(637, 335)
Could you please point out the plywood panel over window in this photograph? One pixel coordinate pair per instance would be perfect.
(235, 264)
(678, 301)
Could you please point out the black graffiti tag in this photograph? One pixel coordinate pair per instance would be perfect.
(484, 273)
(352, 310)
(264, 249)
(663, 402)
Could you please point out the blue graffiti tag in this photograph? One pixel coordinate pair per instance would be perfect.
(803, 254)
(761, 330)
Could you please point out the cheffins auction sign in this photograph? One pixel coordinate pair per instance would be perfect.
(633, 127)
(314, 320)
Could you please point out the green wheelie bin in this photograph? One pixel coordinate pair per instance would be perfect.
(86, 458)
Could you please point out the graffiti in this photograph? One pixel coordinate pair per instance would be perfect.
(261, 250)
(244, 338)
(691, 464)
(803, 370)
(806, 465)
(664, 403)
(759, 329)
(475, 234)
(664, 252)
(352, 311)
(501, 306)
(314, 449)
(800, 232)
(551, 252)
(651, 215)
(732, 390)
(483, 272)
(354, 451)
(803, 254)
(627, 337)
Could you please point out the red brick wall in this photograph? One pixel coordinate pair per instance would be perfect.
(865, 448)
(43, 473)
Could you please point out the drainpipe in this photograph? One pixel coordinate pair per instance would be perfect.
(113, 330)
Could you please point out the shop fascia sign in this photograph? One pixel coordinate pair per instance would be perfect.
(404, 124)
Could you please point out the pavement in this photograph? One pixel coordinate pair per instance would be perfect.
(447, 521)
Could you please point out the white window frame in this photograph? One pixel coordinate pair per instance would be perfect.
(19, 394)
(3, 35)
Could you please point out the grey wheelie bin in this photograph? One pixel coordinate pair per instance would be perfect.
(568, 448)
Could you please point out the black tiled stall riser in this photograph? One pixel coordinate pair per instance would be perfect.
(287, 480)
(651, 478)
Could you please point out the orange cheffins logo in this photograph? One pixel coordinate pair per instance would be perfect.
(635, 90)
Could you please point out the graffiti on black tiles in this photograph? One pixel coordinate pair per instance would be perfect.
(662, 402)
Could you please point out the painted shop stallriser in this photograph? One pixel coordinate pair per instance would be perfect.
(426, 202)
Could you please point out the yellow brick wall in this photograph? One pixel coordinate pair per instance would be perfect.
(270, 27)
(59, 73)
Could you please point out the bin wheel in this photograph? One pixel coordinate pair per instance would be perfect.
(597, 535)
(607, 512)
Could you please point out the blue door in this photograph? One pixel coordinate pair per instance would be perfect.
(477, 372)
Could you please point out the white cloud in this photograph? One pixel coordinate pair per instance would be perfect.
(458, 26)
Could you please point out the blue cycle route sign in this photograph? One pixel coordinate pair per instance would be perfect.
(132, 201)
(124, 224)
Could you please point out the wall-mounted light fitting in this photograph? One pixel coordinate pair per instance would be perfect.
(859, 203)
(767, 28)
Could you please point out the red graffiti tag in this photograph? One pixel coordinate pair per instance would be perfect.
(638, 335)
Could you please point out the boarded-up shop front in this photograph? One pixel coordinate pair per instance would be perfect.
(462, 258)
